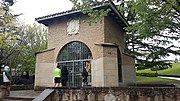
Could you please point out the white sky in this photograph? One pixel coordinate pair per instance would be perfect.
(32, 9)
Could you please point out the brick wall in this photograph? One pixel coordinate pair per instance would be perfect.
(104, 57)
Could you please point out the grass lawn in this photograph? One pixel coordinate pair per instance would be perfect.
(155, 80)
(175, 70)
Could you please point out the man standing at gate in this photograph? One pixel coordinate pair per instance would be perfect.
(57, 76)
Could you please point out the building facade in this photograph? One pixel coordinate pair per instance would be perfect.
(98, 47)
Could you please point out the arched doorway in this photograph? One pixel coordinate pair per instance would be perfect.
(74, 55)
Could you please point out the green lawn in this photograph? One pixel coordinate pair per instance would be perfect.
(155, 80)
(175, 70)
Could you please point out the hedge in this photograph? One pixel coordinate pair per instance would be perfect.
(147, 74)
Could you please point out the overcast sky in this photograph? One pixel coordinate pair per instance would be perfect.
(32, 9)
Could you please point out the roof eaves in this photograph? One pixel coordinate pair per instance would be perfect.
(119, 14)
(55, 15)
(61, 14)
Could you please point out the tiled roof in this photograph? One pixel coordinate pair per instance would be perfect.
(117, 15)
(64, 12)
(56, 14)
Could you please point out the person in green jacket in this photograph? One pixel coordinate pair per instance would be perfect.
(57, 76)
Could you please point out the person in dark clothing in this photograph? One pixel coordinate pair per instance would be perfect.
(25, 75)
(84, 77)
(64, 75)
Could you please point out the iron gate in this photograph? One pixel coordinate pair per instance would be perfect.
(75, 68)
(74, 55)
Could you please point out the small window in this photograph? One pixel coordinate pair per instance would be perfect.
(73, 26)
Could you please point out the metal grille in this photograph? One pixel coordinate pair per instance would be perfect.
(74, 55)
(74, 51)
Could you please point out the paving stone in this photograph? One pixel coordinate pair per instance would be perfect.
(22, 95)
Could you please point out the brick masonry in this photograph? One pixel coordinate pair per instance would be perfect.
(104, 62)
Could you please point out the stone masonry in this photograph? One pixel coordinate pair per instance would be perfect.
(102, 38)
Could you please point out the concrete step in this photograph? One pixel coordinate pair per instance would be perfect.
(22, 95)
(17, 99)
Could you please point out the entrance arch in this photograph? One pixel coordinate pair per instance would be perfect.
(75, 55)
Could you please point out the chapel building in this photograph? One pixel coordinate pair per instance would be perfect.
(76, 44)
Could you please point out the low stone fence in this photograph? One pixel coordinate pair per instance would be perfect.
(22, 87)
(113, 94)
(2, 92)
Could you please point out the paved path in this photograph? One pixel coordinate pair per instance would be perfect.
(174, 78)
(23, 94)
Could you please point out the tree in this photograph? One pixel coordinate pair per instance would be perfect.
(31, 39)
(8, 31)
(154, 27)
(19, 42)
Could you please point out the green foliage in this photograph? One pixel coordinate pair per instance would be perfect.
(8, 31)
(141, 67)
(18, 42)
(31, 39)
(154, 27)
(153, 31)
(159, 67)
(155, 80)
(86, 7)
(154, 65)
(147, 74)
(174, 70)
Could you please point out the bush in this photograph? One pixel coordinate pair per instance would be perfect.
(19, 80)
(141, 67)
(147, 74)
(158, 68)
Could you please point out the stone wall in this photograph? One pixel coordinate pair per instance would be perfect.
(129, 71)
(116, 94)
(88, 34)
(46, 56)
(2, 93)
(102, 38)
(113, 33)
(45, 64)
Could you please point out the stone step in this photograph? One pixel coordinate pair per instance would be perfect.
(9, 98)
(22, 95)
